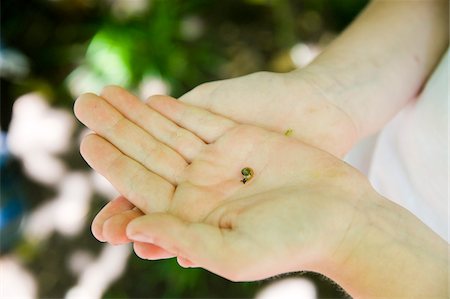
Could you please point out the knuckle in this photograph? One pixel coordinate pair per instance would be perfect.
(83, 102)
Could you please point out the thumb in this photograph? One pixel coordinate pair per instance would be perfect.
(200, 243)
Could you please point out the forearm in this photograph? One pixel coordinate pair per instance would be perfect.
(389, 253)
(382, 60)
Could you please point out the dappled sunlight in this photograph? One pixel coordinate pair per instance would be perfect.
(302, 54)
(44, 168)
(98, 275)
(36, 126)
(108, 58)
(83, 80)
(103, 186)
(153, 85)
(13, 64)
(37, 134)
(107, 62)
(123, 9)
(291, 288)
(72, 204)
(65, 214)
(192, 27)
(79, 261)
(15, 280)
(53, 51)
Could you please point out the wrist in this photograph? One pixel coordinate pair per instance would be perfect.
(387, 252)
(348, 86)
(329, 87)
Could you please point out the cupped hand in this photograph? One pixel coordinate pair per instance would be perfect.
(175, 158)
(303, 225)
(296, 102)
(301, 103)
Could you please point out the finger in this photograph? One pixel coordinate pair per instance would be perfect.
(114, 207)
(114, 228)
(185, 263)
(181, 140)
(101, 117)
(146, 190)
(207, 125)
(149, 251)
(201, 244)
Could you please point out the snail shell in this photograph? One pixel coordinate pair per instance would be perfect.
(247, 173)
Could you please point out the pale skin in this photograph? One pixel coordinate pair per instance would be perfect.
(304, 209)
(351, 90)
(329, 116)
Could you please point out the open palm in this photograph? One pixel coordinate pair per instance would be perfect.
(196, 173)
(160, 166)
(296, 102)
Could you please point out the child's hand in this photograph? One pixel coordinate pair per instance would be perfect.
(299, 209)
(162, 167)
(278, 102)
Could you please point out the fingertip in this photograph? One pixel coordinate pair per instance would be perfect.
(140, 253)
(81, 103)
(96, 230)
(150, 251)
(133, 229)
(109, 92)
(118, 206)
(86, 143)
(113, 230)
(185, 263)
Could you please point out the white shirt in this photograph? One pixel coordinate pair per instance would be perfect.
(408, 159)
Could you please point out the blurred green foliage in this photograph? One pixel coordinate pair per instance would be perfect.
(184, 43)
(122, 46)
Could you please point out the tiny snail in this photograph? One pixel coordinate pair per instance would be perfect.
(247, 172)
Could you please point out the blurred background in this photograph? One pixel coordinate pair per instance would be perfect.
(53, 50)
